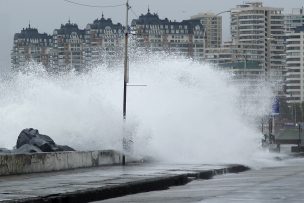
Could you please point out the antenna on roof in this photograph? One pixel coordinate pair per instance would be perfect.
(102, 16)
(69, 21)
(148, 8)
(29, 23)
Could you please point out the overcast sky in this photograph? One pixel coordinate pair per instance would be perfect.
(47, 15)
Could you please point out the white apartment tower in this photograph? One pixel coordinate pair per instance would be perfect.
(294, 19)
(259, 33)
(212, 24)
(295, 66)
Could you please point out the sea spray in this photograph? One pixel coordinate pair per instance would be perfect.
(187, 112)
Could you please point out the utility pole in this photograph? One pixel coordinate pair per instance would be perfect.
(126, 80)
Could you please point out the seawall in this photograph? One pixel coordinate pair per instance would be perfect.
(12, 164)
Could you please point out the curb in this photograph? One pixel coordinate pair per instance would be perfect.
(147, 185)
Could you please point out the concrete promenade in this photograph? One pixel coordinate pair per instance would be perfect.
(84, 185)
(269, 185)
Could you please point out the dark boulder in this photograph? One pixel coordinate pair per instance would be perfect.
(27, 148)
(44, 143)
(4, 151)
(64, 148)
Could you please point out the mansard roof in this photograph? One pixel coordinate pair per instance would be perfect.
(68, 28)
(102, 23)
(149, 18)
(31, 33)
(153, 19)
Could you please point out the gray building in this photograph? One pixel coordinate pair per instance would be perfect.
(183, 38)
(30, 45)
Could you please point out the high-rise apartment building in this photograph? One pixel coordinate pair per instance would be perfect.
(155, 34)
(212, 28)
(294, 19)
(68, 47)
(259, 32)
(104, 41)
(295, 65)
(30, 45)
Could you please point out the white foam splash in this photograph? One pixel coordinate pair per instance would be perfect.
(188, 112)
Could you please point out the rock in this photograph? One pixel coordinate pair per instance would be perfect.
(65, 148)
(25, 136)
(27, 148)
(4, 151)
(44, 143)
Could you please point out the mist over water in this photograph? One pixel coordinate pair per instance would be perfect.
(188, 112)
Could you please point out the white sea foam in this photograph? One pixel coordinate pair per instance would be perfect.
(188, 112)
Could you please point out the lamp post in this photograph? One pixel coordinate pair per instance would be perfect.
(294, 112)
(126, 80)
(300, 129)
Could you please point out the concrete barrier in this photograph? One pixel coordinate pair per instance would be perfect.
(12, 164)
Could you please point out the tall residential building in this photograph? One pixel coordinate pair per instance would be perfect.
(295, 66)
(294, 19)
(259, 32)
(68, 47)
(103, 40)
(30, 45)
(213, 28)
(155, 34)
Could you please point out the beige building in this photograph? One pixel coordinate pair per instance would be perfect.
(68, 48)
(104, 41)
(212, 27)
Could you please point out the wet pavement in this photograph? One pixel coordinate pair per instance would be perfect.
(55, 183)
(276, 184)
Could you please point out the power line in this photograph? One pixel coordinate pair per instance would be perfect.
(133, 12)
(93, 6)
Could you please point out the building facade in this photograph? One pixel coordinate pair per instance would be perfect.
(295, 66)
(213, 29)
(30, 45)
(68, 48)
(259, 32)
(104, 41)
(183, 38)
(293, 20)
